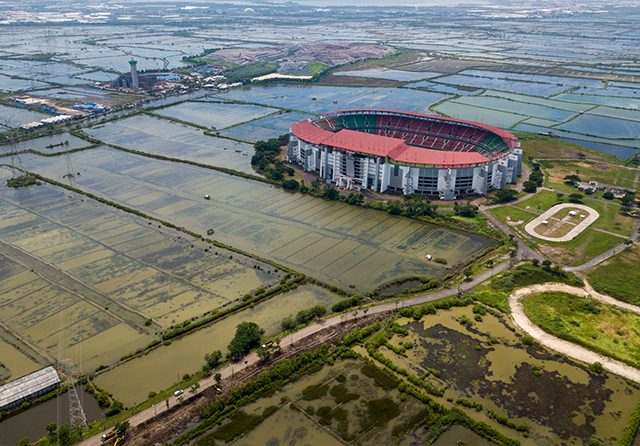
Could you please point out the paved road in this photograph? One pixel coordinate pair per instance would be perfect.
(252, 359)
(567, 348)
(605, 255)
(524, 251)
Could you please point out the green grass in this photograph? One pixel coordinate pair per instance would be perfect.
(316, 68)
(529, 274)
(540, 147)
(619, 277)
(601, 172)
(590, 243)
(598, 327)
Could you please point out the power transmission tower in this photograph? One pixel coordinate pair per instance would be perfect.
(77, 417)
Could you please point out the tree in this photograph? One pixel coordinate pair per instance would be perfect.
(505, 195)
(64, 435)
(530, 187)
(24, 442)
(217, 378)
(330, 193)
(575, 198)
(121, 428)
(571, 180)
(51, 429)
(212, 360)
(394, 208)
(248, 336)
(465, 210)
(629, 199)
(608, 195)
(290, 184)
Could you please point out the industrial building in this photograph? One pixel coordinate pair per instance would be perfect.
(28, 387)
(410, 153)
(146, 81)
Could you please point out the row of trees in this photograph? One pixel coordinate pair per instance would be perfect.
(536, 179)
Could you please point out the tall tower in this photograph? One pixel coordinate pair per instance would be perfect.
(134, 74)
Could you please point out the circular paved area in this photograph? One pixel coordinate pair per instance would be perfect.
(592, 215)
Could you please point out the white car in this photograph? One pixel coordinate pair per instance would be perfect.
(178, 393)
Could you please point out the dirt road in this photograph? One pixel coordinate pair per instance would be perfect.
(567, 348)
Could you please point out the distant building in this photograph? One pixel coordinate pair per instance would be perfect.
(28, 387)
(134, 74)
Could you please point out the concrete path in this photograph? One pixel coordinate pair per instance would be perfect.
(592, 216)
(567, 348)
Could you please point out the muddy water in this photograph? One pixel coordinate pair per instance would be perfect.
(32, 423)
(345, 245)
(132, 381)
(458, 435)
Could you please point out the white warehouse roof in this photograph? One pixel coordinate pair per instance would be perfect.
(28, 385)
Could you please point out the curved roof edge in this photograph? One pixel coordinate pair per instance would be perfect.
(396, 149)
(509, 138)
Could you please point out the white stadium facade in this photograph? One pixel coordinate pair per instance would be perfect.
(411, 153)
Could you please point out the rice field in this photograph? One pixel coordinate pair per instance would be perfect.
(385, 73)
(59, 142)
(215, 115)
(163, 137)
(348, 246)
(132, 381)
(459, 110)
(265, 128)
(14, 117)
(320, 99)
(83, 281)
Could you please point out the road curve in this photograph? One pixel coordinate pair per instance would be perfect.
(564, 347)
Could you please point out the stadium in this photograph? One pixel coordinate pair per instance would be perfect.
(388, 151)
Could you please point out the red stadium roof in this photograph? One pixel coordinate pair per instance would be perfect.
(418, 155)
(364, 142)
(395, 148)
(308, 132)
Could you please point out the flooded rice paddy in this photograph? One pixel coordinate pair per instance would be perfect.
(162, 137)
(82, 281)
(320, 99)
(265, 128)
(344, 245)
(132, 381)
(214, 115)
(60, 142)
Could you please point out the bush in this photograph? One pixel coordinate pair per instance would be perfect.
(596, 367)
(345, 304)
(506, 195)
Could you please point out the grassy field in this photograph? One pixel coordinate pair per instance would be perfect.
(598, 327)
(609, 230)
(619, 277)
(615, 174)
(541, 147)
